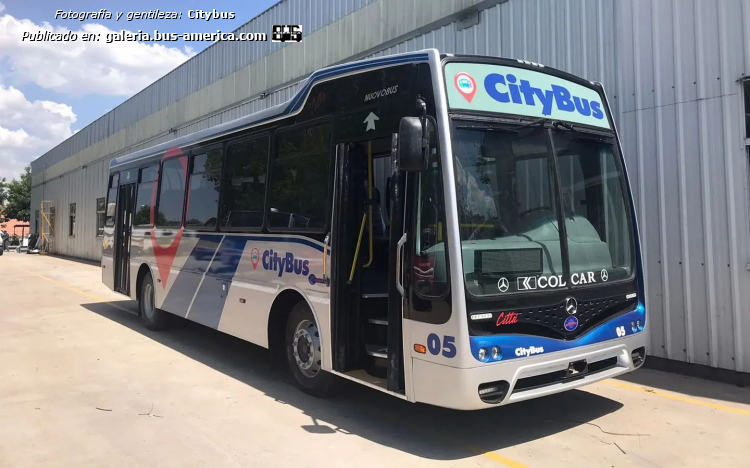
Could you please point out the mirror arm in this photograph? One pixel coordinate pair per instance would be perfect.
(422, 106)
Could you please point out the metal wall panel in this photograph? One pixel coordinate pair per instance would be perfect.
(680, 118)
(81, 187)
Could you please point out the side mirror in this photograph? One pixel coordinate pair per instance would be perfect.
(412, 154)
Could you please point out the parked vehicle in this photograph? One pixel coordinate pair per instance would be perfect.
(505, 267)
(4, 241)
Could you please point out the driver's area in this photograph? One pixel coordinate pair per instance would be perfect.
(506, 204)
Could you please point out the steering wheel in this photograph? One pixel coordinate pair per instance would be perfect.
(533, 210)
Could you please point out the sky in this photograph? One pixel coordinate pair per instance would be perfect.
(50, 90)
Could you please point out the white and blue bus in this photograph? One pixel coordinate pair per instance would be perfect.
(453, 230)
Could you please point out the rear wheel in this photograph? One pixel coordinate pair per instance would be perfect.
(303, 352)
(153, 318)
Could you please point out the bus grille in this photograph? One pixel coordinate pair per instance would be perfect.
(549, 320)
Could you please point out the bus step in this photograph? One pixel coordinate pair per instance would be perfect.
(378, 321)
(375, 296)
(378, 351)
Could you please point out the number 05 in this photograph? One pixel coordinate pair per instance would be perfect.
(448, 348)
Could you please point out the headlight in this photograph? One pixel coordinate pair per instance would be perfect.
(482, 354)
(495, 353)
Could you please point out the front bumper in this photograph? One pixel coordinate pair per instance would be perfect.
(458, 388)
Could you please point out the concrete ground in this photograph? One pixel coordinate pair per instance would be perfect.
(83, 384)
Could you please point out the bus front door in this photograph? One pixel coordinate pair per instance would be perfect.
(123, 229)
(367, 232)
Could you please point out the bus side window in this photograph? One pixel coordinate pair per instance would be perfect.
(430, 259)
(244, 185)
(171, 192)
(144, 202)
(203, 198)
(298, 197)
(114, 180)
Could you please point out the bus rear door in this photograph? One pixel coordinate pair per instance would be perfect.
(123, 229)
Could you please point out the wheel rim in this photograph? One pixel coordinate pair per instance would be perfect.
(306, 348)
(148, 300)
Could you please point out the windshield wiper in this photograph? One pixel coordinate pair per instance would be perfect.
(558, 124)
(534, 123)
(505, 127)
(562, 126)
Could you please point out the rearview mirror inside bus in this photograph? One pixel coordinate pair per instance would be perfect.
(412, 156)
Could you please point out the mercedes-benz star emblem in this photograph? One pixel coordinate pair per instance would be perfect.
(503, 284)
(571, 305)
(605, 275)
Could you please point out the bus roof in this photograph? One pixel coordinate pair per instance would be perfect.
(289, 108)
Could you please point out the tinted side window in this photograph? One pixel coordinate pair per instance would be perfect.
(172, 192)
(111, 201)
(144, 201)
(430, 260)
(203, 200)
(244, 186)
(100, 209)
(299, 191)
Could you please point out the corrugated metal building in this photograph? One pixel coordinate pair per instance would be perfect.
(674, 71)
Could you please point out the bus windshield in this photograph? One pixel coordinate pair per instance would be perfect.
(511, 186)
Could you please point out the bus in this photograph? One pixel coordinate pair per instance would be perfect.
(453, 230)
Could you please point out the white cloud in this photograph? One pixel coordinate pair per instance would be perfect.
(29, 129)
(77, 67)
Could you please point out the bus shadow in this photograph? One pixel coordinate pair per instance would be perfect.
(689, 385)
(421, 430)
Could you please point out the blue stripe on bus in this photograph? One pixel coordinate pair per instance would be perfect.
(509, 344)
(189, 276)
(268, 238)
(210, 300)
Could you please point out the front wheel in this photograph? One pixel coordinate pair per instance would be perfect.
(303, 352)
(153, 318)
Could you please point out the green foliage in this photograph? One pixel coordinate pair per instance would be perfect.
(17, 194)
(2, 200)
(2, 191)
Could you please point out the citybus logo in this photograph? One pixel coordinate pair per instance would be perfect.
(530, 351)
(255, 257)
(466, 85)
(508, 88)
(285, 263)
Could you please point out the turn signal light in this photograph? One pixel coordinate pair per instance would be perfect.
(421, 349)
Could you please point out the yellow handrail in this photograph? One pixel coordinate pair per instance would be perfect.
(359, 243)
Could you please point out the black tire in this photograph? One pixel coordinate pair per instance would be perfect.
(153, 318)
(313, 379)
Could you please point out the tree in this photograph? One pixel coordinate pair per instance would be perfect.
(18, 197)
(2, 200)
